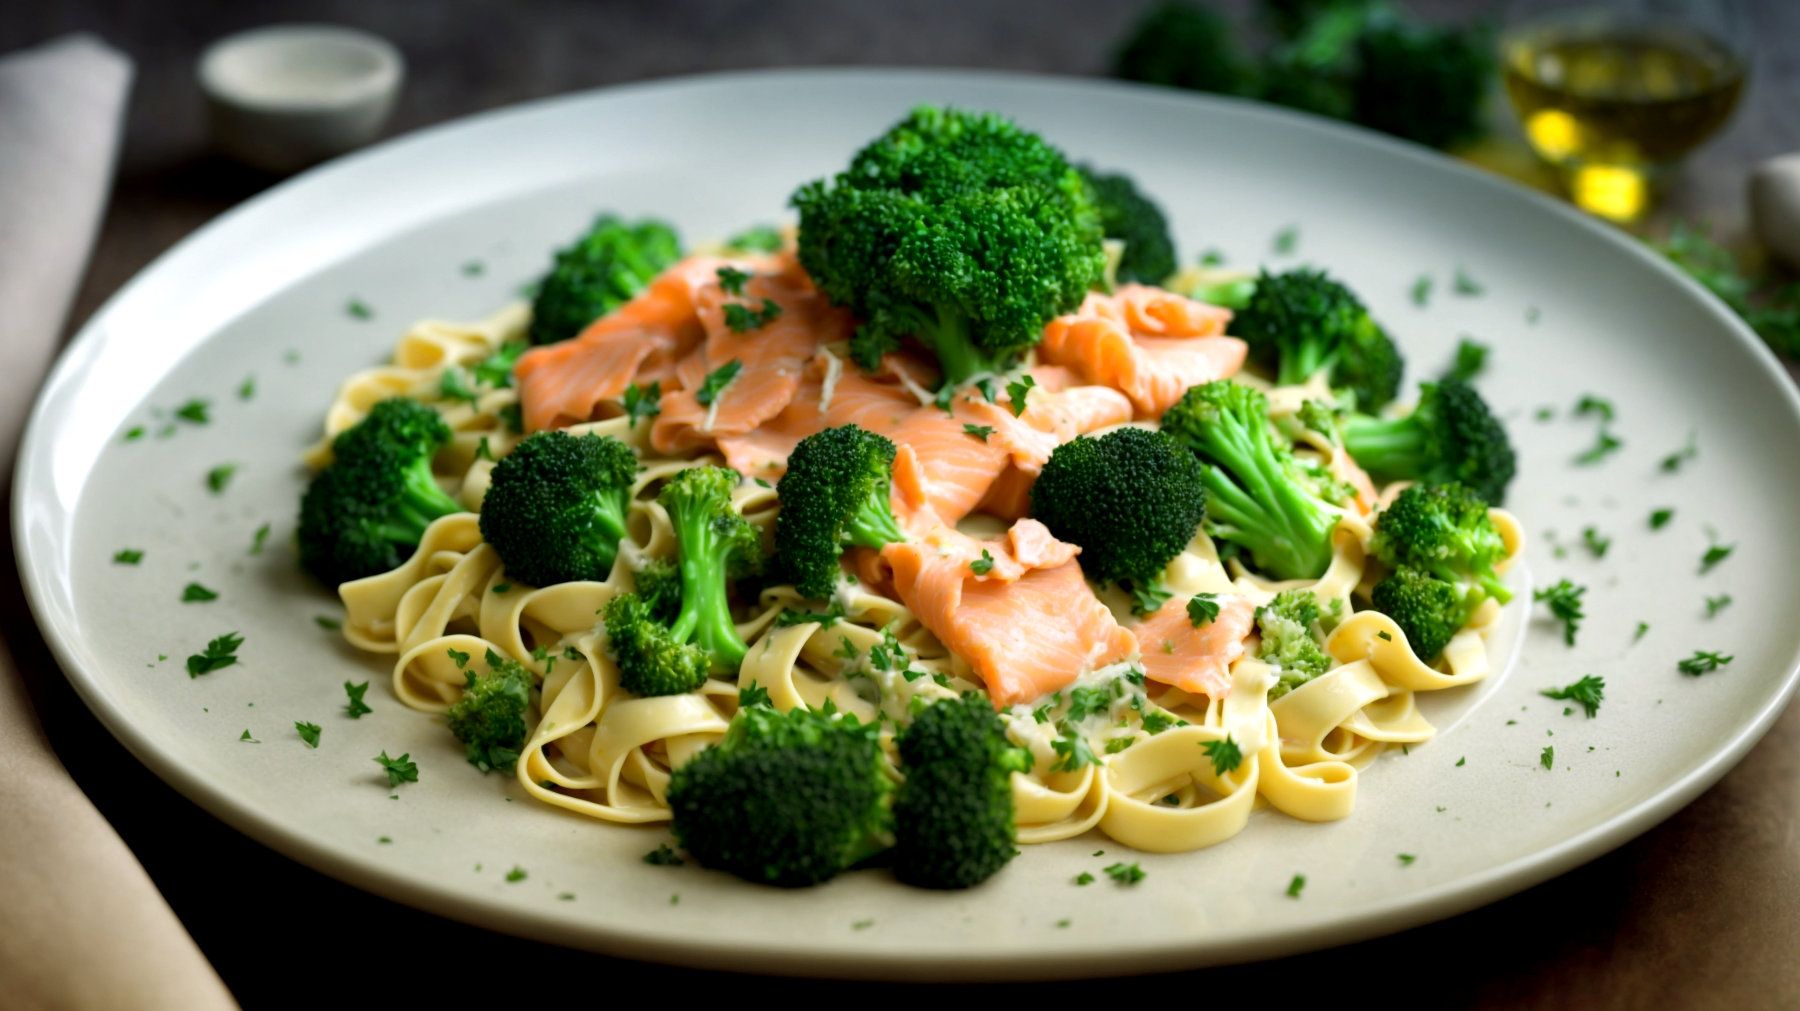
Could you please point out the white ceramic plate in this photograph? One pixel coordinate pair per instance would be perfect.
(394, 227)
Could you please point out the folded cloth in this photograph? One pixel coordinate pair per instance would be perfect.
(81, 924)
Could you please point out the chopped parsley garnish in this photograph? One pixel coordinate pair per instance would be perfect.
(1466, 285)
(1212, 258)
(1073, 748)
(827, 618)
(220, 476)
(1673, 461)
(848, 651)
(1596, 543)
(247, 388)
(757, 239)
(127, 556)
(1605, 444)
(983, 565)
(496, 369)
(1643, 626)
(641, 403)
(474, 268)
(1156, 721)
(1532, 314)
(1225, 755)
(133, 434)
(194, 411)
(457, 657)
(502, 587)
(1385, 636)
(1421, 290)
(1019, 389)
(517, 874)
(732, 280)
(986, 385)
(1590, 404)
(750, 695)
(1659, 518)
(452, 386)
(863, 924)
(1125, 874)
(514, 416)
(1471, 358)
(1287, 239)
(401, 770)
(663, 856)
(1406, 859)
(1042, 713)
(219, 654)
(1702, 662)
(1202, 608)
(978, 431)
(358, 309)
(256, 542)
(1565, 605)
(717, 380)
(309, 732)
(1548, 757)
(1716, 604)
(195, 593)
(1588, 693)
(743, 319)
(1714, 555)
(1546, 413)
(1460, 761)
(945, 394)
(1118, 744)
(248, 738)
(329, 624)
(1295, 886)
(356, 707)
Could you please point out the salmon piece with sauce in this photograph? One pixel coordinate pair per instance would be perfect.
(1148, 344)
(1195, 660)
(1025, 638)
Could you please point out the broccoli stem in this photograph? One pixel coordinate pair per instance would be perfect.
(873, 524)
(705, 617)
(602, 538)
(946, 332)
(1306, 361)
(1287, 531)
(421, 502)
(1391, 448)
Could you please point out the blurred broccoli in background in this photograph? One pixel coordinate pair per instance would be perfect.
(1775, 316)
(599, 273)
(1360, 60)
(1133, 218)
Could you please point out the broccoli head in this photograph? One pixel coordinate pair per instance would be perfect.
(659, 583)
(1258, 498)
(599, 273)
(1132, 499)
(1286, 625)
(784, 799)
(1181, 45)
(1424, 84)
(1442, 530)
(1450, 436)
(1302, 321)
(652, 661)
(834, 494)
(953, 817)
(490, 717)
(366, 511)
(959, 229)
(1133, 218)
(556, 505)
(1427, 609)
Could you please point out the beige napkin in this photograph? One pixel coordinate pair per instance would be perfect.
(81, 925)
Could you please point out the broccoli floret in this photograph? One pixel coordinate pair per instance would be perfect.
(1181, 45)
(652, 661)
(1286, 624)
(599, 273)
(1427, 609)
(490, 717)
(1257, 498)
(366, 511)
(556, 505)
(1128, 215)
(1450, 436)
(959, 229)
(659, 583)
(784, 799)
(834, 494)
(1422, 83)
(714, 544)
(1132, 499)
(953, 817)
(1443, 530)
(1312, 69)
(1301, 322)
(756, 239)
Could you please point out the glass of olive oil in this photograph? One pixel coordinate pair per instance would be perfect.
(1615, 94)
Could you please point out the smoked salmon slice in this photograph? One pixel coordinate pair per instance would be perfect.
(1195, 660)
(1148, 344)
(1025, 638)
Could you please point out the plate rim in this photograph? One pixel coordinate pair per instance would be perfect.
(37, 571)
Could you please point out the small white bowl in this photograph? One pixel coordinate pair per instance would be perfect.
(283, 97)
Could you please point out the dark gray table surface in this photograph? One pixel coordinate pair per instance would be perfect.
(1701, 912)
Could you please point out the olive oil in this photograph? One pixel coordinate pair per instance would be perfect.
(1611, 104)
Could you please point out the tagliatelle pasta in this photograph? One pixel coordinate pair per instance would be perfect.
(597, 750)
